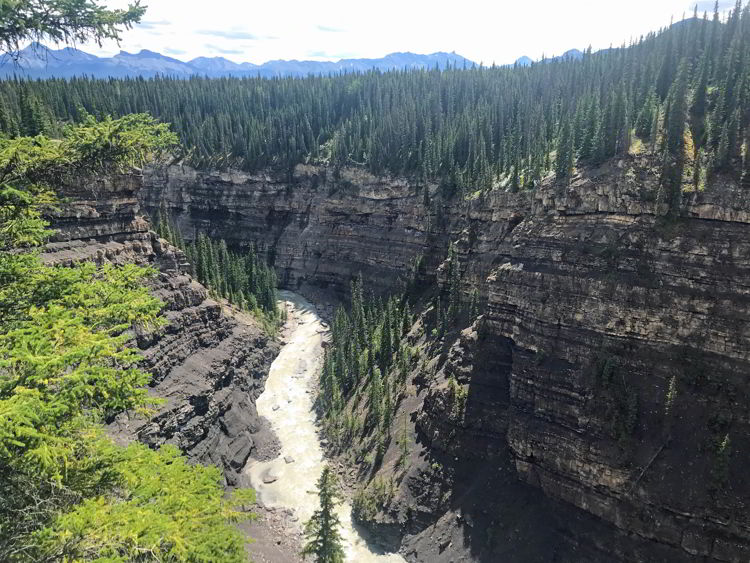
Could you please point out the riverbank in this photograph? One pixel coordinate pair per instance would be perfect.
(286, 484)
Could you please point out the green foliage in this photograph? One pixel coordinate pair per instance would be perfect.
(67, 492)
(67, 360)
(565, 154)
(720, 468)
(106, 146)
(674, 141)
(366, 347)
(670, 397)
(162, 510)
(466, 130)
(322, 535)
(474, 304)
(458, 395)
(32, 118)
(403, 444)
(61, 21)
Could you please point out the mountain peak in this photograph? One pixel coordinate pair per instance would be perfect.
(524, 61)
(145, 54)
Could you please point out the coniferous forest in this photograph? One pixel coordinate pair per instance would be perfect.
(682, 93)
(239, 277)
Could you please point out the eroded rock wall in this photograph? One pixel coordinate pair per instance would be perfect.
(208, 363)
(620, 382)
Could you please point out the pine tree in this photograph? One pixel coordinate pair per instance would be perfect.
(564, 162)
(699, 106)
(723, 151)
(674, 142)
(746, 163)
(406, 323)
(654, 135)
(376, 396)
(386, 343)
(322, 535)
(31, 115)
(474, 304)
(6, 125)
(387, 404)
(645, 118)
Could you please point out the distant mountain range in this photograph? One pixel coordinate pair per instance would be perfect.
(38, 61)
(574, 54)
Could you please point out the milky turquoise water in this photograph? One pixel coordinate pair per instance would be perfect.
(287, 403)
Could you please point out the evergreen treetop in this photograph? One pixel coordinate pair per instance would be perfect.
(322, 535)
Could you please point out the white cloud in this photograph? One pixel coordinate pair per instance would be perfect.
(482, 30)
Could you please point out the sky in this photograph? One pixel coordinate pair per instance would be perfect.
(484, 31)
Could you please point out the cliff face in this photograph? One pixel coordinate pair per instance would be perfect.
(609, 370)
(208, 363)
(314, 230)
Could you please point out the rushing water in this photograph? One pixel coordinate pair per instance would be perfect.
(287, 403)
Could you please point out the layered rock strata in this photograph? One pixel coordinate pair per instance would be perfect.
(208, 363)
(618, 337)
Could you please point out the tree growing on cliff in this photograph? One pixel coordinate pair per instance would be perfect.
(565, 152)
(674, 141)
(322, 533)
(240, 277)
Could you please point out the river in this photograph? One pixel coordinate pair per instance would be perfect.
(289, 480)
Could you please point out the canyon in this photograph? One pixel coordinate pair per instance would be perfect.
(606, 413)
(603, 380)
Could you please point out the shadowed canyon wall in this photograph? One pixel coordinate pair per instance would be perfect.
(619, 383)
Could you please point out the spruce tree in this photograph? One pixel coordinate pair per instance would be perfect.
(6, 125)
(564, 162)
(31, 116)
(645, 118)
(474, 305)
(699, 106)
(674, 142)
(746, 162)
(322, 535)
(406, 323)
(386, 341)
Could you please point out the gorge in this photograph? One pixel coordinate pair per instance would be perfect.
(580, 284)
(429, 315)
